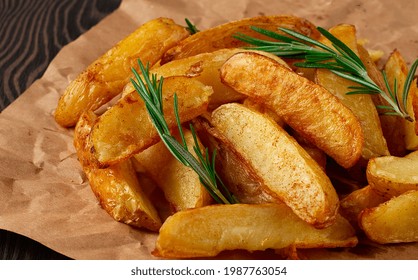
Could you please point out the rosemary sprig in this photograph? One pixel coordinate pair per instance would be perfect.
(150, 91)
(341, 60)
(191, 27)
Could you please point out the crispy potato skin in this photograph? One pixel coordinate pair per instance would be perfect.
(180, 184)
(234, 169)
(126, 129)
(308, 108)
(282, 165)
(100, 82)
(361, 105)
(221, 36)
(204, 67)
(394, 221)
(116, 188)
(392, 131)
(397, 69)
(391, 176)
(251, 227)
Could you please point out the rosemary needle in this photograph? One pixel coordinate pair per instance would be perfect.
(341, 60)
(191, 27)
(150, 91)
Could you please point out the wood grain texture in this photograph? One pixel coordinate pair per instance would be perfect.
(31, 34)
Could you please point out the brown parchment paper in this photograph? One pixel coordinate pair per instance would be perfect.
(43, 192)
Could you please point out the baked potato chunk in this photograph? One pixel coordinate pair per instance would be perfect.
(391, 176)
(235, 170)
(117, 187)
(221, 37)
(206, 231)
(180, 184)
(392, 131)
(308, 108)
(282, 165)
(105, 78)
(126, 129)
(396, 69)
(204, 68)
(361, 105)
(394, 221)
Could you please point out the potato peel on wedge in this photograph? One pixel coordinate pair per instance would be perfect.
(394, 221)
(117, 187)
(391, 176)
(126, 129)
(180, 184)
(221, 36)
(105, 78)
(308, 108)
(360, 104)
(283, 166)
(206, 231)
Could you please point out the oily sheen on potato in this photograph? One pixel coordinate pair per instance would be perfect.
(126, 129)
(117, 187)
(221, 36)
(284, 167)
(308, 108)
(249, 227)
(105, 78)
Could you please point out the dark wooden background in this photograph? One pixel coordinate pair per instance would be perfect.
(31, 33)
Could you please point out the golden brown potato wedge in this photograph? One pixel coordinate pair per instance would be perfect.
(396, 69)
(357, 201)
(206, 231)
(180, 184)
(394, 221)
(287, 170)
(221, 36)
(392, 131)
(126, 129)
(204, 68)
(361, 105)
(235, 170)
(117, 187)
(391, 176)
(308, 108)
(99, 83)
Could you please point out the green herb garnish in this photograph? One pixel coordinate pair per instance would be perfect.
(191, 27)
(150, 91)
(341, 60)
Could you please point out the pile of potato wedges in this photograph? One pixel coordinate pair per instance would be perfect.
(310, 166)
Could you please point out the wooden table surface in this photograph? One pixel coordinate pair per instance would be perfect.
(31, 33)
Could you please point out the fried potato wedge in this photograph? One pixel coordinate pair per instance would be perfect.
(206, 231)
(394, 221)
(236, 171)
(281, 163)
(180, 184)
(126, 129)
(221, 37)
(100, 82)
(391, 176)
(352, 205)
(396, 69)
(117, 187)
(361, 105)
(308, 108)
(392, 131)
(204, 67)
